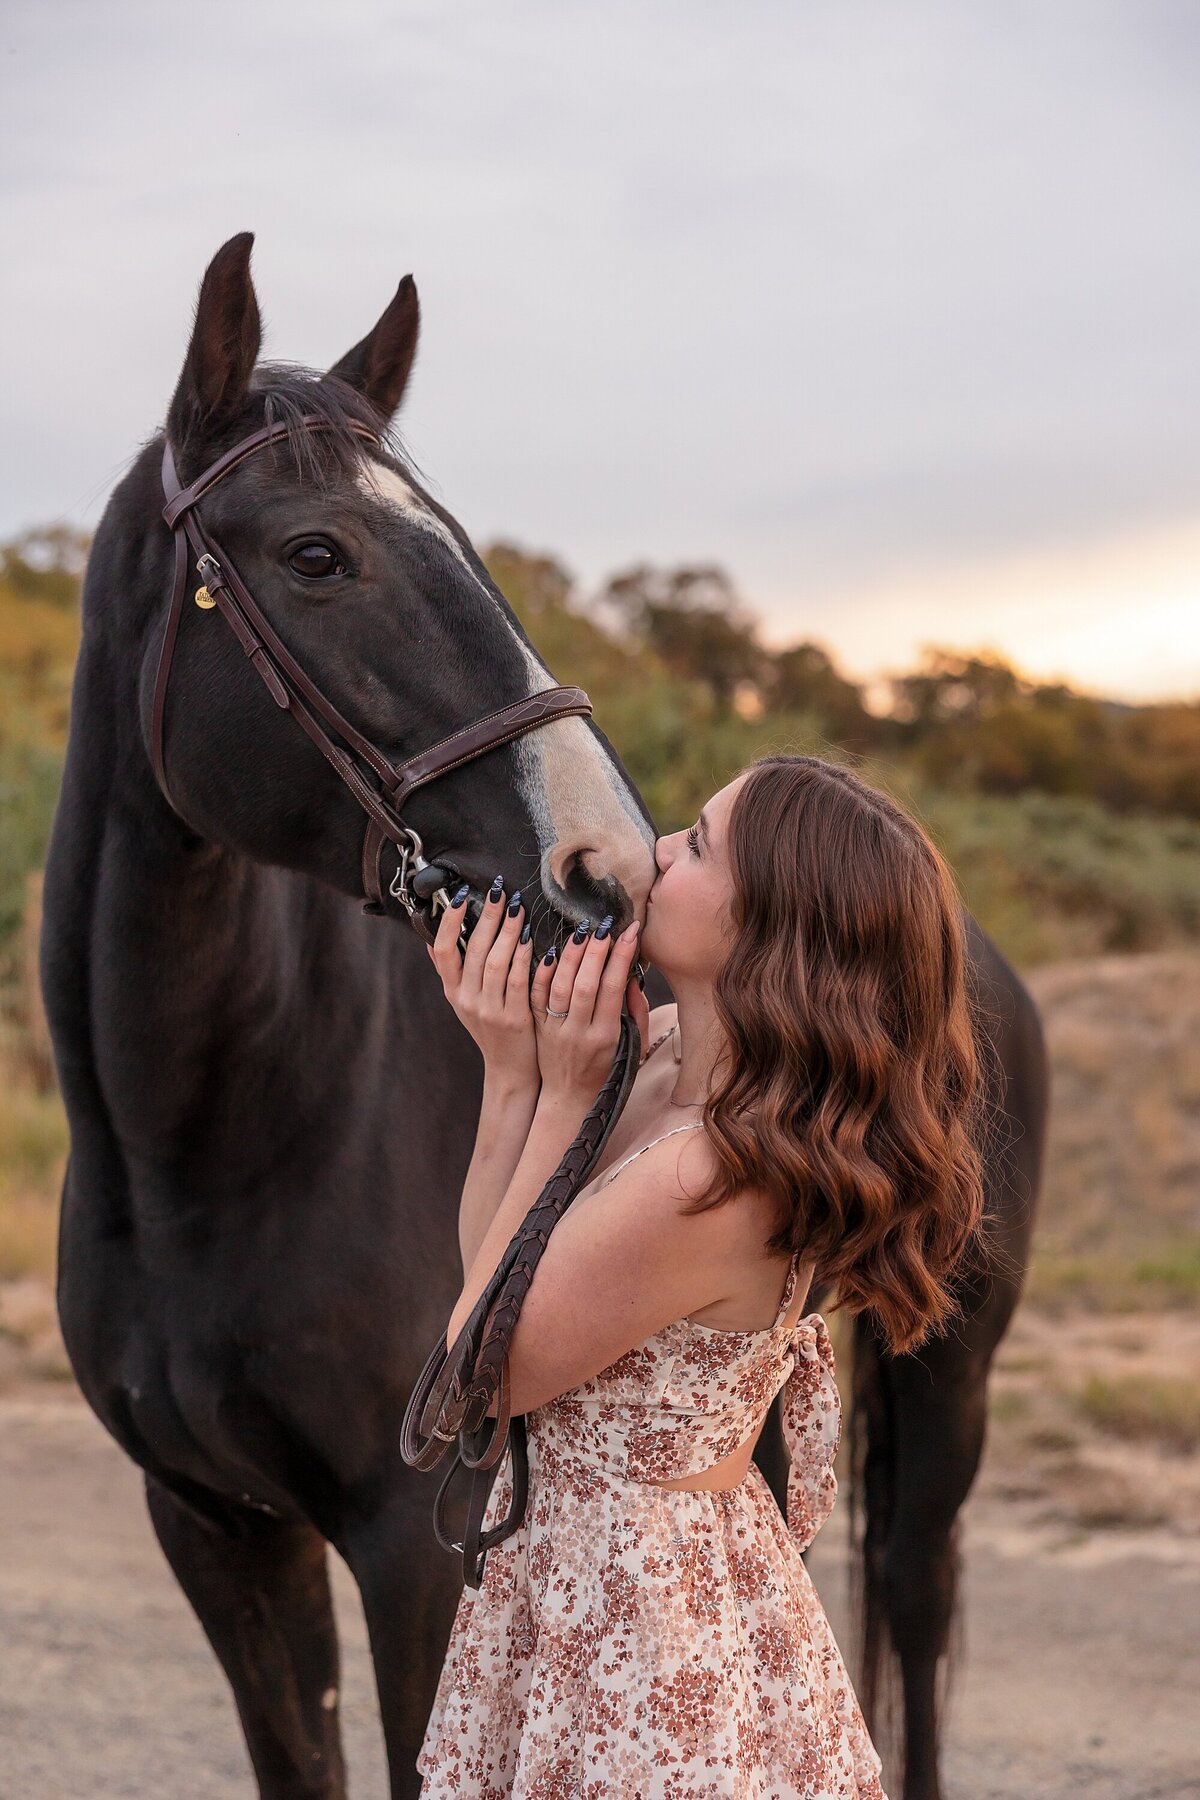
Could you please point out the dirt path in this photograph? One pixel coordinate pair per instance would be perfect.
(1080, 1678)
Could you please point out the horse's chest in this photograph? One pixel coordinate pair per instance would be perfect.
(181, 1397)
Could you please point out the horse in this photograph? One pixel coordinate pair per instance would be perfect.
(270, 1104)
(271, 1108)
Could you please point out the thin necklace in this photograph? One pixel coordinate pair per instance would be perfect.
(671, 1033)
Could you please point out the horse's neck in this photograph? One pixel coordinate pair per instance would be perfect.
(200, 999)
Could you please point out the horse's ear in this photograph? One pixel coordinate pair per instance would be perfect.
(379, 366)
(224, 347)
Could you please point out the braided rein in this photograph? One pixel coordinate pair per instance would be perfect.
(448, 1406)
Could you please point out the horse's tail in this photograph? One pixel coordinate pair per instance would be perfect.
(873, 1447)
(874, 1437)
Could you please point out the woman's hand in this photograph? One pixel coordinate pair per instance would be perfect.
(488, 986)
(587, 982)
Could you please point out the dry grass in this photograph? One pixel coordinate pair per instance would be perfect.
(1091, 1421)
(1162, 1409)
(33, 1130)
(1119, 1226)
(1052, 1440)
(28, 1236)
(31, 1345)
(33, 1125)
(1095, 1401)
(1114, 1282)
(1006, 1403)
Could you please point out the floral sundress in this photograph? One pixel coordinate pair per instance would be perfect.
(635, 1642)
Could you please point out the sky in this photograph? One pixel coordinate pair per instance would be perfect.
(891, 310)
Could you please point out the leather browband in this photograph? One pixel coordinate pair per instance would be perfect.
(293, 690)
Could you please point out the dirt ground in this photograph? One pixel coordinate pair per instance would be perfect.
(1080, 1673)
(1079, 1679)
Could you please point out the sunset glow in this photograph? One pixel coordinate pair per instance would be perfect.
(1119, 617)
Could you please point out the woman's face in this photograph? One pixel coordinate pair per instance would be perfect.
(689, 919)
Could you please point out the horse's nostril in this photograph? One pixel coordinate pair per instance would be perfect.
(586, 880)
(569, 870)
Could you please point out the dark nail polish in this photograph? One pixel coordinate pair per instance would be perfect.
(580, 932)
(497, 888)
(514, 905)
(526, 932)
(457, 899)
(605, 926)
(550, 955)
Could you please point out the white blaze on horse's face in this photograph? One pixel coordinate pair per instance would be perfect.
(580, 805)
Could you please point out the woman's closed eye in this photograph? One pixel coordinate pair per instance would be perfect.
(693, 840)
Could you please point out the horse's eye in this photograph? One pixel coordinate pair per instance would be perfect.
(315, 562)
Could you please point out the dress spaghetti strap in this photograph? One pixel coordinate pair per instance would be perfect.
(789, 1288)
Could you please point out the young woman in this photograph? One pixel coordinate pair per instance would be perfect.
(809, 1107)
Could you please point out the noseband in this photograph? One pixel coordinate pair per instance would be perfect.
(382, 799)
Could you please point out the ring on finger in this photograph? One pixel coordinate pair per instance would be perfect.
(551, 1014)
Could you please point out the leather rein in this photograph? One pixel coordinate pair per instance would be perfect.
(450, 1402)
(449, 1405)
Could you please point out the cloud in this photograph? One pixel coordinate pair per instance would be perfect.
(835, 294)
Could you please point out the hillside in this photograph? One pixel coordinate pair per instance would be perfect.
(1120, 1220)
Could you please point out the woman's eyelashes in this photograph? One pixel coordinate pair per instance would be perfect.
(693, 840)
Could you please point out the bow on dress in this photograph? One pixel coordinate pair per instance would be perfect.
(812, 1429)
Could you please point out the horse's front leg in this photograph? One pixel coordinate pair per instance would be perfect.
(261, 1591)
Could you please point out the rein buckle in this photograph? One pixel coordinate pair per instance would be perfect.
(203, 595)
(412, 861)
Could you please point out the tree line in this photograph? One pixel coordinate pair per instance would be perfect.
(1073, 823)
(960, 720)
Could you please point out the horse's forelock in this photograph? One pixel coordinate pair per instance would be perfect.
(291, 393)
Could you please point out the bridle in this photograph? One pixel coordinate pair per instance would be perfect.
(452, 1394)
(382, 799)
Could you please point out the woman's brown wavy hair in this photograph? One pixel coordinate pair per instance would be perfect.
(853, 1085)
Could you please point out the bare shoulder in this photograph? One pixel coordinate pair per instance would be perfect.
(646, 1201)
(633, 1237)
(628, 1259)
(650, 1191)
(739, 1223)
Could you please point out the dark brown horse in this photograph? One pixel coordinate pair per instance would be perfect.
(271, 1107)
